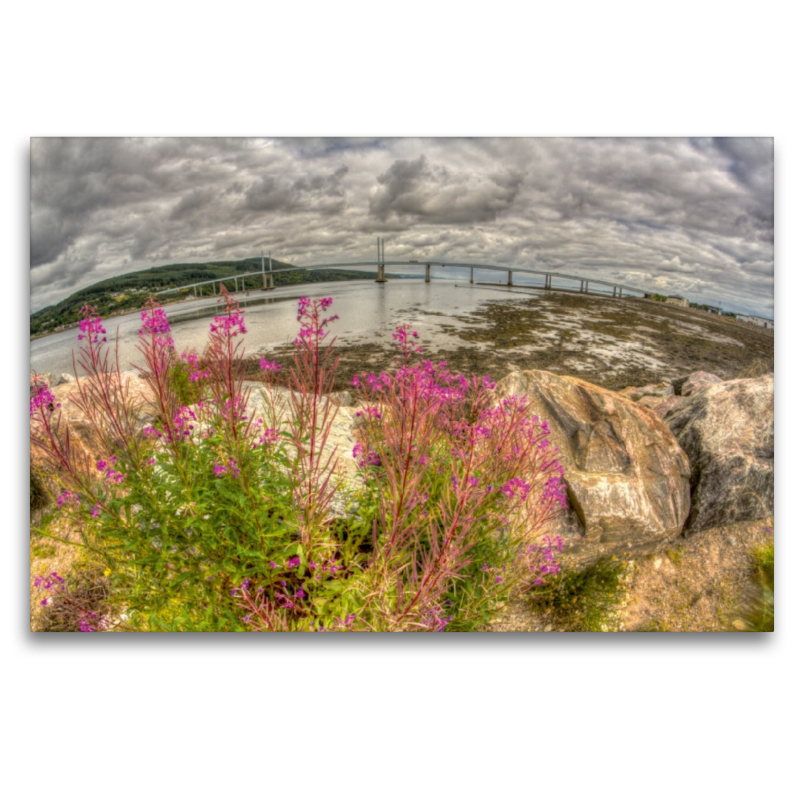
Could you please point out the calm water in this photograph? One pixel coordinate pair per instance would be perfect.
(367, 312)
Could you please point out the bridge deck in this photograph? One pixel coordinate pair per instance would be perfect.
(445, 264)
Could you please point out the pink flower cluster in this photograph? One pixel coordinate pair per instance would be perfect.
(232, 467)
(91, 326)
(313, 330)
(184, 420)
(229, 325)
(370, 411)
(366, 457)
(67, 497)
(109, 473)
(556, 489)
(542, 558)
(401, 336)
(268, 437)
(433, 619)
(48, 581)
(192, 361)
(514, 487)
(269, 366)
(44, 399)
(154, 321)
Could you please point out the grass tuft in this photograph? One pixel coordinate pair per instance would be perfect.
(584, 601)
(758, 609)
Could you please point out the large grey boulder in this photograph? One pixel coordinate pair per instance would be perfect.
(627, 477)
(728, 431)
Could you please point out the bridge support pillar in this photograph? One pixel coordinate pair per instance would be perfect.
(381, 274)
(271, 282)
(427, 273)
(472, 275)
(510, 282)
(547, 282)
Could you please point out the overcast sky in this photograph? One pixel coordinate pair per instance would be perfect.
(681, 216)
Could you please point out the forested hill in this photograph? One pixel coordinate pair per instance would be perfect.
(128, 292)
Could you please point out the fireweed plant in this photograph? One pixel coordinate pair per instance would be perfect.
(220, 516)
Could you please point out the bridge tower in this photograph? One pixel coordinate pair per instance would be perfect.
(510, 281)
(381, 261)
(427, 273)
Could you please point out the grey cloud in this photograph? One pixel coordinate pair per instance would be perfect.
(268, 195)
(190, 202)
(434, 194)
(321, 192)
(690, 215)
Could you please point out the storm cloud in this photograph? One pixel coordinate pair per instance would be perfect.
(681, 216)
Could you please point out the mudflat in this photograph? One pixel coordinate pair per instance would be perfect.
(611, 342)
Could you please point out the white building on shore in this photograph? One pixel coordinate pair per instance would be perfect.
(759, 322)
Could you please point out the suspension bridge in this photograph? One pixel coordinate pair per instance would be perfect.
(268, 282)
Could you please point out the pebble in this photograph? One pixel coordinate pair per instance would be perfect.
(658, 562)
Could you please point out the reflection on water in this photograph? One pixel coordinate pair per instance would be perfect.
(368, 311)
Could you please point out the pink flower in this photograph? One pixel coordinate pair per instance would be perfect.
(43, 398)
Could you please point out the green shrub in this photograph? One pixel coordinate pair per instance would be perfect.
(220, 517)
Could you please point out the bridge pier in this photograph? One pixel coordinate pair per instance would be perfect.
(427, 273)
(381, 274)
(271, 282)
(472, 275)
(510, 282)
(547, 282)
